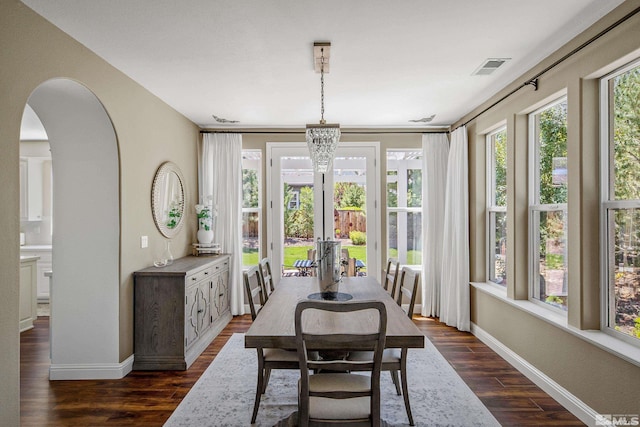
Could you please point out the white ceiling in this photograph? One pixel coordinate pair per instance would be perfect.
(391, 61)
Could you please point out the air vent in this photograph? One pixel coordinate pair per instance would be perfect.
(489, 66)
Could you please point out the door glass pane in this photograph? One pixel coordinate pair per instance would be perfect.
(297, 186)
(349, 210)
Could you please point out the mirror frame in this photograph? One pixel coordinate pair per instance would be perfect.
(158, 188)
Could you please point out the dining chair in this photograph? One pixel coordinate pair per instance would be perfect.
(267, 276)
(394, 360)
(391, 276)
(268, 358)
(340, 397)
(349, 269)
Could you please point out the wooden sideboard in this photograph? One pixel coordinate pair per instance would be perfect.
(178, 310)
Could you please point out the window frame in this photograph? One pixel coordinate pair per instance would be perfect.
(257, 209)
(402, 209)
(608, 203)
(492, 207)
(535, 207)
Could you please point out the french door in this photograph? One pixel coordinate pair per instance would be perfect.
(303, 205)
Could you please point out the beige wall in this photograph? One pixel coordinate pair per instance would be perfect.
(33, 51)
(605, 382)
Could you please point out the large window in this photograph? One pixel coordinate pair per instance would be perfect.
(404, 206)
(620, 93)
(497, 206)
(251, 207)
(548, 204)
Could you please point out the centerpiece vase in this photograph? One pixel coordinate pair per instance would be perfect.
(328, 268)
(205, 236)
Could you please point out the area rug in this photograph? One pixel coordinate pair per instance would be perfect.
(224, 394)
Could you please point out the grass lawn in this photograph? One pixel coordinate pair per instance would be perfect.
(293, 253)
(413, 257)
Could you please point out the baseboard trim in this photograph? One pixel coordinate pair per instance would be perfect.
(573, 404)
(91, 371)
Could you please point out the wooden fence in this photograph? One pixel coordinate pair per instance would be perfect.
(349, 220)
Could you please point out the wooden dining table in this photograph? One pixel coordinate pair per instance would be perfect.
(274, 326)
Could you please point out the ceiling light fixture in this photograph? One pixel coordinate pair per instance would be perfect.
(322, 138)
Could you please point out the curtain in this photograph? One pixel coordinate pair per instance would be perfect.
(221, 179)
(454, 298)
(435, 149)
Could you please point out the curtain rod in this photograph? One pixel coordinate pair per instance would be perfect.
(292, 131)
(534, 80)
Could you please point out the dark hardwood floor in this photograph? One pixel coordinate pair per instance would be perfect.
(148, 398)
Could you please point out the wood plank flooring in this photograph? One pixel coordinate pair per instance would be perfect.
(149, 398)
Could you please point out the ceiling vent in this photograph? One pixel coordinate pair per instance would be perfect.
(489, 66)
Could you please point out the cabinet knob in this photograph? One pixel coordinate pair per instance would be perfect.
(206, 273)
(200, 311)
(193, 278)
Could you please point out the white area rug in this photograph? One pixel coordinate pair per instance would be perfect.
(224, 395)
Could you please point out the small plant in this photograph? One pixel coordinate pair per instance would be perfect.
(358, 238)
(204, 216)
(337, 233)
(553, 299)
(636, 329)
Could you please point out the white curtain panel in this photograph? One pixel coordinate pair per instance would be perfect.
(221, 178)
(454, 298)
(435, 149)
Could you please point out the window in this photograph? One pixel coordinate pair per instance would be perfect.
(251, 207)
(548, 204)
(497, 206)
(294, 201)
(620, 170)
(404, 206)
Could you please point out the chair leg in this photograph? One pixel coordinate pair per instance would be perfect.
(396, 381)
(267, 375)
(256, 404)
(405, 388)
(259, 387)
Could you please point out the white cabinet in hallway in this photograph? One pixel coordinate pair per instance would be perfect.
(43, 252)
(28, 305)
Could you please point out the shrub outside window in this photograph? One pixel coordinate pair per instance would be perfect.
(548, 205)
(251, 209)
(497, 206)
(404, 206)
(620, 112)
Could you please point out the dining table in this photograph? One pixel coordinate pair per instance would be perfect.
(274, 326)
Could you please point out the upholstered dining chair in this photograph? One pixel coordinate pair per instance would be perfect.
(394, 360)
(342, 396)
(267, 276)
(391, 276)
(268, 358)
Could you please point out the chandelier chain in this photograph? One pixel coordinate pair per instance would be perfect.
(322, 85)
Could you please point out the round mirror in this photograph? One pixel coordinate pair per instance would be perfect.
(167, 199)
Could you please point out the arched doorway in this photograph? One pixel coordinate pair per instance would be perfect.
(86, 232)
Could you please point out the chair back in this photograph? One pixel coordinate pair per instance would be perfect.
(391, 276)
(267, 276)
(255, 289)
(349, 268)
(340, 326)
(409, 280)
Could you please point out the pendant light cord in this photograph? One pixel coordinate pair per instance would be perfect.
(322, 121)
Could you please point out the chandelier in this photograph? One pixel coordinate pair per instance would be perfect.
(322, 138)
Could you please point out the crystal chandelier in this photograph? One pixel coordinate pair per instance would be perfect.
(322, 138)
